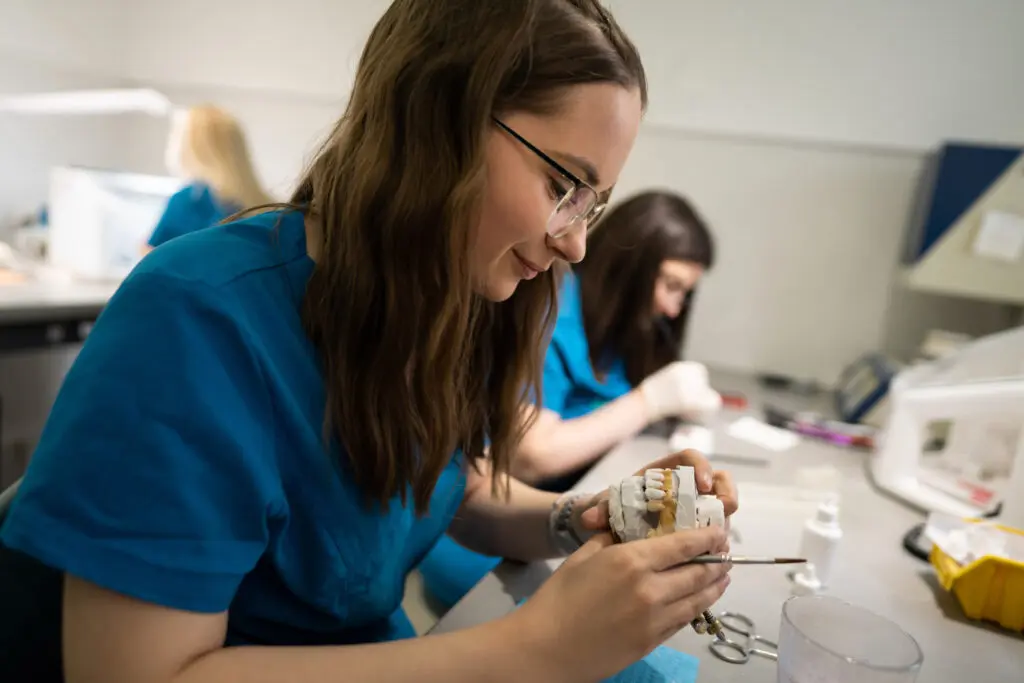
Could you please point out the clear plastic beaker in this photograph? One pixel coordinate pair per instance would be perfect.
(826, 640)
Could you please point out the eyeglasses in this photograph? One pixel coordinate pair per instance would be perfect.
(577, 204)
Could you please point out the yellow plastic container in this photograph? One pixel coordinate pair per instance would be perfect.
(991, 588)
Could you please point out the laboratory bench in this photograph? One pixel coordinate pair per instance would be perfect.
(872, 569)
(41, 315)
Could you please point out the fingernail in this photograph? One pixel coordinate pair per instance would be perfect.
(706, 480)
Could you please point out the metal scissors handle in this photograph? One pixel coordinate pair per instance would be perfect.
(739, 651)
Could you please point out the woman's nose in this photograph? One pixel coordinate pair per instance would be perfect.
(572, 246)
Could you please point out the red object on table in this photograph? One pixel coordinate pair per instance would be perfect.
(734, 401)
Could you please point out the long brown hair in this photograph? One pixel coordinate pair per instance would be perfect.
(416, 364)
(617, 279)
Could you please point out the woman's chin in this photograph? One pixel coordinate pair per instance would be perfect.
(498, 289)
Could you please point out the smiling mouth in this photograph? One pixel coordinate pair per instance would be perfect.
(529, 269)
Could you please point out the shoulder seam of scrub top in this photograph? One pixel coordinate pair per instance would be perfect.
(273, 232)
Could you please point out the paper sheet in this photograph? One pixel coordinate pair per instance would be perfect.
(1001, 237)
(698, 438)
(755, 431)
(966, 542)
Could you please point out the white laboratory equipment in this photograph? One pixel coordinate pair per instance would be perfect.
(100, 220)
(820, 541)
(974, 401)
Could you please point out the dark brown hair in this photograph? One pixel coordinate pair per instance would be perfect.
(624, 257)
(416, 364)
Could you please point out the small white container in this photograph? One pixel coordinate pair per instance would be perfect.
(821, 541)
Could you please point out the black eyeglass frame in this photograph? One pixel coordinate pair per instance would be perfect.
(577, 183)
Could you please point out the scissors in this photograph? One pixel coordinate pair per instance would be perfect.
(739, 651)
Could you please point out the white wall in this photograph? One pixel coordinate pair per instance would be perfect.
(54, 44)
(306, 47)
(903, 73)
(283, 131)
(800, 127)
(50, 44)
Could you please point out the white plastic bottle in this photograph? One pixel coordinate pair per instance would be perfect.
(821, 541)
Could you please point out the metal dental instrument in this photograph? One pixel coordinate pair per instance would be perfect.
(739, 651)
(740, 559)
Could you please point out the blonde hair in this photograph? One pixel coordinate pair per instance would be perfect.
(214, 151)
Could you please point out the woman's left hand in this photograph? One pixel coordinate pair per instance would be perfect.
(593, 513)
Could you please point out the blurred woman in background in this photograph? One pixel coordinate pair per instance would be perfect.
(612, 367)
(207, 147)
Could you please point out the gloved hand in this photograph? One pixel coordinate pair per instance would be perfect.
(680, 389)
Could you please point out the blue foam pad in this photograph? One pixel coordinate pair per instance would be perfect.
(663, 665)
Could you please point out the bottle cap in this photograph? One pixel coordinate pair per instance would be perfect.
(828, 513)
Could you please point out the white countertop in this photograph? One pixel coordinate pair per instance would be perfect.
(36, 301)
(873, 570)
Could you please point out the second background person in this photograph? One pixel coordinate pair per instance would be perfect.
(612, 367)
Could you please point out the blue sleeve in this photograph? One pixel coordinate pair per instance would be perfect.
(155, 475)
(176, 219)
(557, 382)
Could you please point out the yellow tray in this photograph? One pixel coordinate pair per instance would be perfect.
(990, 588)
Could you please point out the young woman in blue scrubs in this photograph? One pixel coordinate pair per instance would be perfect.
(275, 419)
(207, 146)
(612, 365)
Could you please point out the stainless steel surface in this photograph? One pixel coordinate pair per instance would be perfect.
(740, 559)
(871, 568)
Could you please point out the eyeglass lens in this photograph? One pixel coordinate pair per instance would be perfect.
(578, 205)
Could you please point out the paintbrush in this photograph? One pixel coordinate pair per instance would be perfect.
(739, 559)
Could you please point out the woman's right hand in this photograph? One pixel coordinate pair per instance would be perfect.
(680, 389)
(609, 605)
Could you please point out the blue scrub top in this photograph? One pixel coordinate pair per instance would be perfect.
(183, 462)
(570, 387)
(191, 208)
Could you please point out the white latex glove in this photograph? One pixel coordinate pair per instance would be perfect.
(680, 389)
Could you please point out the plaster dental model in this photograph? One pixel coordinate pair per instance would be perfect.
(660, 502)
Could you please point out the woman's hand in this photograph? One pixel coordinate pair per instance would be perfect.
(592, 514)
(609, 605)
(680, 389)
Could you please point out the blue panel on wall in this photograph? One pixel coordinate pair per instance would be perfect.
(965, 172)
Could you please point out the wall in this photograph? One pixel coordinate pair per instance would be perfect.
(872, 72)
(54, 44)
(50, 44)
(286, 79)
(800, 128)
(283, 131)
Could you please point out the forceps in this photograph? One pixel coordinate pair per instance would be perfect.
(739, 651)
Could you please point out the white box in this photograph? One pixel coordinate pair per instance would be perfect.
(101, 220)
